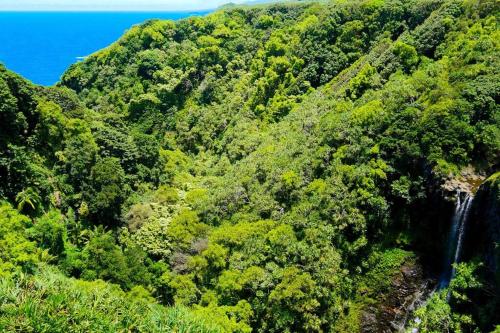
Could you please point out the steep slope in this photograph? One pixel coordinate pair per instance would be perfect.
(50, 302)
(43, 133)
(275, 168)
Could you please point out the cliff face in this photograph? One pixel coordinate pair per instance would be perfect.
(482, 243)
(483, 238)
(433, 215)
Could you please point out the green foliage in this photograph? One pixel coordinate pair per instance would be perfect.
(407, 54)
(17, 252)
(166, 195)
(437, 314)
(106, 191)
(49, 232)
(464, 281)
(181, 287)
(230, 318)
(28, 199)
(185, 228)
(50, 302)
(383, 265)
(291, 298)
(101, 258)
(261, 165)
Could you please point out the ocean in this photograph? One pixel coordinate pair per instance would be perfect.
(42, 45)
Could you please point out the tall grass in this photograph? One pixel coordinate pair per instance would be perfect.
(51, 302)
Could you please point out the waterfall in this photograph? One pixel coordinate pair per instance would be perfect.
(455, 238)
(453, 250)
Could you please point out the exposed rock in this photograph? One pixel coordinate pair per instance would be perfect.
(369, 320)
(468, 181)
(409, 288)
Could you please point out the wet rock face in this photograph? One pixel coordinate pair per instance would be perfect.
(482, 243)
(484, 234)
(409, 288)
(468, 181)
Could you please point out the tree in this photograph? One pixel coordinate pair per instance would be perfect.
(28, 200)
(17, 252)
(49, 232)
(106, 191)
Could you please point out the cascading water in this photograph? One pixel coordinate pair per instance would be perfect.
(453, 251)
(455, 238)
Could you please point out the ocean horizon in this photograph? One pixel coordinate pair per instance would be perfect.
(41, 45)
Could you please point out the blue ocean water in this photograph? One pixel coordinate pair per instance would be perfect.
(41, 45)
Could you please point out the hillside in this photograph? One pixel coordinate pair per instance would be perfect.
(282, 168)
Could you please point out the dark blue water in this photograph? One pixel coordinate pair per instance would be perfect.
(41, 45)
